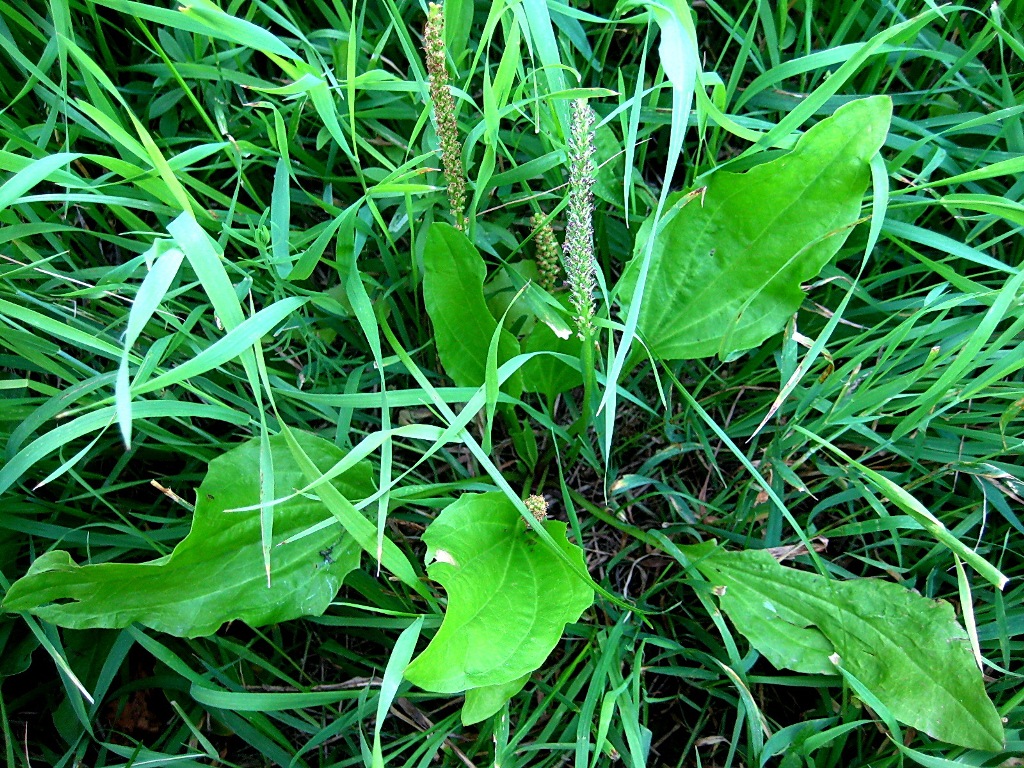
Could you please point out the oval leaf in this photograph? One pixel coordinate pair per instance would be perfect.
(504, 299)
(216, 573)
(509, 596)
(908, 650)
(727, 263)
(545, 374)
(453, 292)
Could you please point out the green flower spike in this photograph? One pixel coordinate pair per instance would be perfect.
(548, 265)
(578, 248)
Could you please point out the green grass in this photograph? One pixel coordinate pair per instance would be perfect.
(302, 132)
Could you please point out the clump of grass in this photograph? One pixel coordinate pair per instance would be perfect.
(158, 113)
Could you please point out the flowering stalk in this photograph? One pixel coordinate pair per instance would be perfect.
(578, 247)
(444, 114)
(548, 266)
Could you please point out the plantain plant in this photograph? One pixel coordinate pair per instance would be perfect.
(715, 270)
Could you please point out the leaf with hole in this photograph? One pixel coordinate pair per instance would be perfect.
(509, 598)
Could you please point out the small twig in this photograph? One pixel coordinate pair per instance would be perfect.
(781, 554)
(172, 496)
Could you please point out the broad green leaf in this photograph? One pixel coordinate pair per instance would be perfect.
(907, 649)
(533, 302)
(453, 280)
(611, 165)
(535, 318)
(216, 573)
(481, 703)
(728, 261)
(509, 596)
(504, 298)
(549, 375)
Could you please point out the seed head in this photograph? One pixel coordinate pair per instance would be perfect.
(578, 247)
(538, 507)
(548, 265)
(444, 114)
